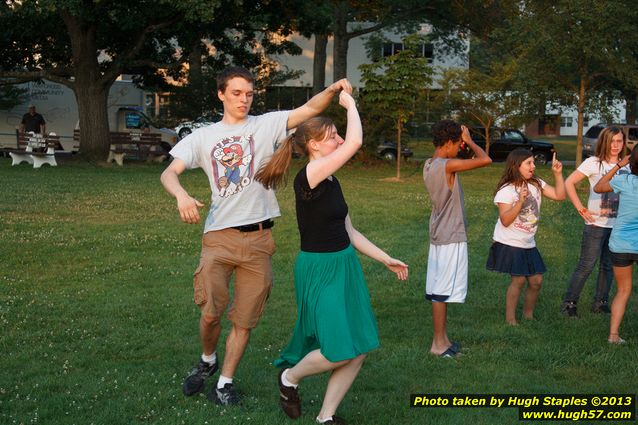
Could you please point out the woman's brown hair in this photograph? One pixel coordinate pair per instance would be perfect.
(603, 146)
(274, 173)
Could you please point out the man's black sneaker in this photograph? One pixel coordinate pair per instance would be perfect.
(600, 307)
(226, 396)
(569, 309)
(194, 382)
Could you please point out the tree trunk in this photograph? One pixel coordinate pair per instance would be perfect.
(91, 89)
(399, 148)
(486, 126)
(341, 39)
(195, 74)
(581, 119)
(630, 112)
(319, 63)
(94, 120)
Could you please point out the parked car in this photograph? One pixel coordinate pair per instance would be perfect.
(590, 138)
(186, 128)
(388, 150)
(505, 140)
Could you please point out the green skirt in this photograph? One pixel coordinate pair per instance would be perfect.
(333, 309)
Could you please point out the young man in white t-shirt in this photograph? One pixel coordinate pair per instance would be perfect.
(237, 237)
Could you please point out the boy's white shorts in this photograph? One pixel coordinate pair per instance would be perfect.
(447, 273)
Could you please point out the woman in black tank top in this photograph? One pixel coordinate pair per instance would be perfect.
(328, 337)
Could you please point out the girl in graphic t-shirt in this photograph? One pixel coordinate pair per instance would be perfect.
(518, 197)
(599, 216)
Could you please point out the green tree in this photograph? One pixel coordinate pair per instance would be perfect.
(348, 19)
(485, 97)
(206, 47)
(11, 96)
(86, 45)
(393, 85)
(314, 18)
(576, 52)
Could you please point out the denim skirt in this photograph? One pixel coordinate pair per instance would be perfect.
(515, 261)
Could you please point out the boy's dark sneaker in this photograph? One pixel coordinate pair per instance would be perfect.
(226, 396)
(569, 309)
(194, 382)
(289, 398)
(600, 307)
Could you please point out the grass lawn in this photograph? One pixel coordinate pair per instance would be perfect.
(565, 147)
(98, 324)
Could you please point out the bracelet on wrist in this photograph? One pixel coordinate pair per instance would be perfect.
(583, 210)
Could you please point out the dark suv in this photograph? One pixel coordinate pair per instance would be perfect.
(505, 140)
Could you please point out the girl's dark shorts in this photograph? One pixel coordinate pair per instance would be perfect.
(622, 259)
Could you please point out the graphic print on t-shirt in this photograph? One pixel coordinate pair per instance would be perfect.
(232, 162)
(609, 204)
(609, 201)
(527, 219)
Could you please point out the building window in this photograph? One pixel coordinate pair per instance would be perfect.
(566, 121)
(425, 50)
(585, 121)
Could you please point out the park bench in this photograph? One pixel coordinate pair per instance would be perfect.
(34, 149)
(141, 146)
(150, 146)
(121, 144)
(47, 155)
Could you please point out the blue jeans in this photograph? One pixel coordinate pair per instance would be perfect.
(594, 246)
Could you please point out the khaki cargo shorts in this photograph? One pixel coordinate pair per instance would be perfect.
(248, 254)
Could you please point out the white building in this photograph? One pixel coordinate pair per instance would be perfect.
(439, 57)
(564, 121)
(555, 122)
(569, 119)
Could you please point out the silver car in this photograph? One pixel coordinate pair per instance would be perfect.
(186, 128)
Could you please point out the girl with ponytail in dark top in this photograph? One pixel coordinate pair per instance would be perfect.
(335, 326)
